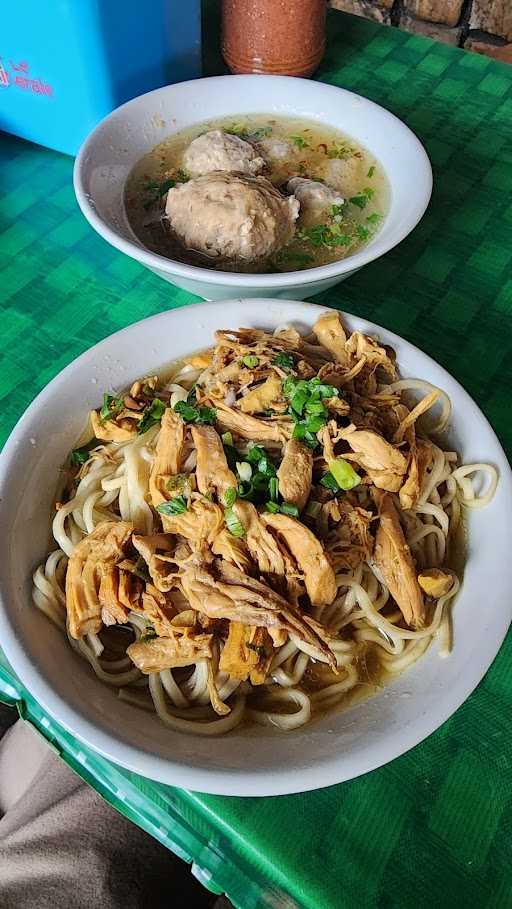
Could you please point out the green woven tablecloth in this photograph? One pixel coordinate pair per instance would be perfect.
(433, 828)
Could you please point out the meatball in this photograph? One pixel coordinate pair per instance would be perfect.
(216, 150)
(345, 174)
(315, 198)
(275, 149)
(231, 216)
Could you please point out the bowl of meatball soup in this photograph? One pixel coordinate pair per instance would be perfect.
(252, 186)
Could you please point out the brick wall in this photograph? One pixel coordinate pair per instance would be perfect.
(484, 26)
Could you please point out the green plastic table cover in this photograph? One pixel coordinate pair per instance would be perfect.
(434, 827)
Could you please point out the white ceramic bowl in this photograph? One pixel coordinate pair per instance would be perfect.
(122, 138)
(260, 762)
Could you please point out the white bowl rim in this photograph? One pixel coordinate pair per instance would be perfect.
(367, 254)
(284, 780)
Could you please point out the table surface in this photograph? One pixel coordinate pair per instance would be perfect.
(434, 827)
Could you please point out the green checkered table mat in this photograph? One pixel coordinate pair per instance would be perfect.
(434, 827)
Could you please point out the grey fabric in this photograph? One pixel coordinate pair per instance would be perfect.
(62, 847)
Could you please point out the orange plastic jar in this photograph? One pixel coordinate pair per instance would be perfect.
(280, 37)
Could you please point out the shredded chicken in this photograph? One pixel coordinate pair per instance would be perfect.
(287, 339)
(95, 555)
(385, 464)
(112, 430)
(232, 550)
(168, 456)
(295, 473)
(184, 648)
(223, 591)
(330, 332)
(252, 428)
(247, 653)
(200, 524)
(360, 347)
(419, 464)
(212, 471)
(113, 609)
(394, 561)
(434, 582)
(425, 404)
(157, 551)
(349, 542)
(217, 703)
(309, 554)
(260, 542)
(159, 610)
(200, 360)
(262, 397)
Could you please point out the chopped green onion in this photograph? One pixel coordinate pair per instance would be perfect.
(227, 438)
(304, 434)
(246, 490)
(178, 505)
(152, 415)
(337, 211)
(230, 496)
(259, 133)
(307, 396)
(344, 474)
(255, 453)
(340, 151)
(321, 390)
(360, 200)
(149, 634)
(374, 218)
(207, 415)
(273, 507)
(284, 360)
(112, 406)
(273, 488)
(244, 470)
(287, 508)
(186, 411)
(329, 482)
(315, 407)
(299, 141)
(299, 399)
(234, 526)
(250, 361)
(266, 467)
(314, 423)
(313, 509)
(260, 482)
(232, 456)
(191, 414)
(371, 171)
(79, 456)
(159, 190)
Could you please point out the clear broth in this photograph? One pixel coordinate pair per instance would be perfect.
(316, 152)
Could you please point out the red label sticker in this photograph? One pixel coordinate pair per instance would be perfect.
(19, 77)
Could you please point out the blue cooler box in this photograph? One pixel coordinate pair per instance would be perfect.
(65, 64)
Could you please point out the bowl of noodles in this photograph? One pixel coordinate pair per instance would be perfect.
(249, 548)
